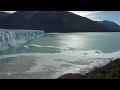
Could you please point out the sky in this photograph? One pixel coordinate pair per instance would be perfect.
(97, 15)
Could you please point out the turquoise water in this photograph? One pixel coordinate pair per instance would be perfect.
(57, 53)
(54, 43)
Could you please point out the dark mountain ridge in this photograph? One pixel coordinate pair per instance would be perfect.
(51, 21)
(109, 24)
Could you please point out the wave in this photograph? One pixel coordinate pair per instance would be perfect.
(54, 33)
(67, 61)
(57, 47)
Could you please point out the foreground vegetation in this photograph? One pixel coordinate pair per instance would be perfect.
(110, 71)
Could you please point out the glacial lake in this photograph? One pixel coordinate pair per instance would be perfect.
(55, 54)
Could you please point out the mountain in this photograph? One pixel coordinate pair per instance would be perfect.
(3, 15)
(109, 24)
(51, 21)
(17, 20)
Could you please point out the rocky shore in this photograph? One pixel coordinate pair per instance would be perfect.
(110, 71)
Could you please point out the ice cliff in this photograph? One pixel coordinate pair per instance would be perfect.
(10, 38)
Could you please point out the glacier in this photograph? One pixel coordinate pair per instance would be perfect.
(11, 37)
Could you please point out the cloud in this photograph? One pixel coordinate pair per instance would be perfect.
(94, 15)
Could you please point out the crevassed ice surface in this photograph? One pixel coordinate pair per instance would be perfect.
(9, 38)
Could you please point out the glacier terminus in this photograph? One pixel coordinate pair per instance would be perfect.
(10, 38)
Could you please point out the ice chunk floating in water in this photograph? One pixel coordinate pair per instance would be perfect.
(9, 38)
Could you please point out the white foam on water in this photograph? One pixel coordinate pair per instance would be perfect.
(67, 61)
(26, 46)
(36, 45)
(53, 33)
(57, 47)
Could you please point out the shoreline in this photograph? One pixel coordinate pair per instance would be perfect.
(109, 71)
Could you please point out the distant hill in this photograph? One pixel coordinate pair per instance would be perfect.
(17, 20)
(51, 21)
(109, 24)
